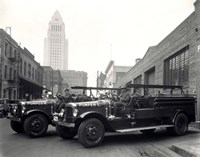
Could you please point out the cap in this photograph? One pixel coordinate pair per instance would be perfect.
(66, 89)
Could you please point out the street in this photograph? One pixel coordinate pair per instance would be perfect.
(130, 145)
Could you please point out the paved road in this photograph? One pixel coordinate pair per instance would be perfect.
(114, 145)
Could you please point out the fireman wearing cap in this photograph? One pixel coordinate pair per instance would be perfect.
(66, 99)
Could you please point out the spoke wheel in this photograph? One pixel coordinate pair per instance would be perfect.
(36, 125)
(181, 124)
(91, 132)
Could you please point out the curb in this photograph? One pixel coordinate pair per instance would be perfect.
(184, 150)
(162, 151)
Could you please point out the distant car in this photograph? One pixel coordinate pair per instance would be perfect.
(144, 112)
(5, 104)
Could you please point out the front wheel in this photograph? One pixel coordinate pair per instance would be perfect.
(17, 126)
(36, 125)
(91, 132)
(65, 133)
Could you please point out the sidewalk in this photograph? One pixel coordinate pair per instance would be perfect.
(188, 149)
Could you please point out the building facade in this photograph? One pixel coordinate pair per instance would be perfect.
(74, 78)
(9, 58)
(48, 78)
(114, 73)
(30, 75)
(52, 80)
(55, 45)
(100, 79)
(174, 61)
(20, 74)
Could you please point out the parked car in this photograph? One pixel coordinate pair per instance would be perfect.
(145, 110)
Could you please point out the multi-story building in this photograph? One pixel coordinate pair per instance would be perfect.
(100, 79)
(114, 73)
(55, 45)
(30, 76)
(173, 61)
(74, 78)
(20, 74)
(57, 82)
(52, 80)
(9, 58)
(48, 78)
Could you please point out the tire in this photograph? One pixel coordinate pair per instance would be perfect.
(36, 125)
(180, 125)
(91, 132)
(65, 133)
(148, 132)
(17, 126)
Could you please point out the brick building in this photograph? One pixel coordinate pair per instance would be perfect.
(173, 61)
(20, 74)
(30, 76)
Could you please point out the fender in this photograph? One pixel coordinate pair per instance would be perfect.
(85, 114)
(177, 112)
(94, 114)
(37, 111)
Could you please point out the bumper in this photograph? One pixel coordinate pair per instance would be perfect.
(15, 119)
(69, 125)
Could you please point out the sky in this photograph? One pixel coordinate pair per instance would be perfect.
(97, 30)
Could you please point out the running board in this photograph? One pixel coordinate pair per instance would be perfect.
(144, 128)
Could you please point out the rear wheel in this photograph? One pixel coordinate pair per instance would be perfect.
(91, 132)
(65, 133)
(17, 126)
(148, 132)
(36, 125)
(180, 125)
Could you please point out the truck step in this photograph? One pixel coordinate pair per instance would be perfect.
(143, 128)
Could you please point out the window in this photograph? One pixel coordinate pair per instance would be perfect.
(176, 68)
(15, 53)
(10, 75)
(24, 68)
(29, 71)
(6, 48)
(15, 75)
(11, 51)
(33, 73)
(20, 69)
(5, 72)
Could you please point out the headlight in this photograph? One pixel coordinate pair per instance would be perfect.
(75, 112)
(23, 109)
(15, 109)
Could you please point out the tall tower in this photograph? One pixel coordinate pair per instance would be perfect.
(55, 45)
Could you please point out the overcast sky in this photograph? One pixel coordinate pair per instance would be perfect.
(92, 26)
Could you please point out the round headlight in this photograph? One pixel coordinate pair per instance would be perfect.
(15, 109)
(23, 109)
(75, 112)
